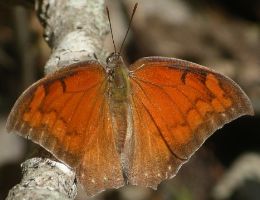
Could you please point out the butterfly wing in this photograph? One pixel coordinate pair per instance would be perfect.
(67, 113)
(176, 106)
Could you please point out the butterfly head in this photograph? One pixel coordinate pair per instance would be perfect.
(114, 59)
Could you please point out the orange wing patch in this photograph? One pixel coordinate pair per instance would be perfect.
(185, 103)
(220, 102)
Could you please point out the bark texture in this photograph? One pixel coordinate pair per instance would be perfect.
(44, 179)
(74, 29)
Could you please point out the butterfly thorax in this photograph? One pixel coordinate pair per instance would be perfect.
(118, 94)
(118, 78)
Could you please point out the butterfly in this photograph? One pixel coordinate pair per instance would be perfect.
(116, 124)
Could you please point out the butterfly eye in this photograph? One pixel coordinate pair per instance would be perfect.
(110, 58)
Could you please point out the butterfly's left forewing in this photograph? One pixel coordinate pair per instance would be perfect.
(67, 113)
(176, 106)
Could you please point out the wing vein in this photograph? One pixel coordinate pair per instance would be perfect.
(172, 100)
(91, 112)
(75, 111)
(59, 113)
(184, 117)
(147, 128)
(161, 134)
(188, 99)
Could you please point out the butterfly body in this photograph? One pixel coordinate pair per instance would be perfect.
(116, 125)
(119, 99)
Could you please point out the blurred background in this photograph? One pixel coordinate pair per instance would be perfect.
(224, 35)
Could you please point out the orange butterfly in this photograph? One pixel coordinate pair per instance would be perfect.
(116, 125)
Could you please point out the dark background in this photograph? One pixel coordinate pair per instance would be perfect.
(218, 33)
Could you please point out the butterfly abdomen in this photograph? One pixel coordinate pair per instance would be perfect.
(118, 97)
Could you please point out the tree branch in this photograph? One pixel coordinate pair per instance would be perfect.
(75, 30)
(44, 179)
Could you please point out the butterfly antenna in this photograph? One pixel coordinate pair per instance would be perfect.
(130, 22)
(111, 28)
